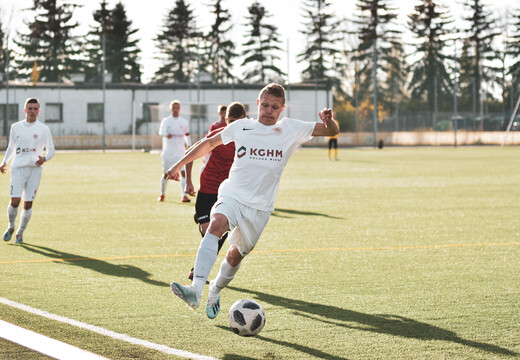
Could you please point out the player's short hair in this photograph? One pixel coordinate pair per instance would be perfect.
(273, 89)
(222, 108)
(31, 100)
(236, 111)
(175, 102)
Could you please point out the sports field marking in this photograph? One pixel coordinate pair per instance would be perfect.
(99, 330)
(411, 247)
(43, 344)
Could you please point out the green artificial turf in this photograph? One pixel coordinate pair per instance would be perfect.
(400, 253)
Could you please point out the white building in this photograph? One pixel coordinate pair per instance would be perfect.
(133, 111)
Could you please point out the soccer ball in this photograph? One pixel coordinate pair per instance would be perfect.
(246, 317)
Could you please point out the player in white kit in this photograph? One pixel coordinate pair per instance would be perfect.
(246, 198)
(27, 140)
(175, 132)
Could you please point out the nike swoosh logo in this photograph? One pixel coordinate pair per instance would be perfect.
(246, 129)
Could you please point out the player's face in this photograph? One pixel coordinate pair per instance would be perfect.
(222, 114)
(176, 109)
(269, 109)
(32, 110)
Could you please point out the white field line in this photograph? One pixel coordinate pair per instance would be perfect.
(43, 344)
(99, 330)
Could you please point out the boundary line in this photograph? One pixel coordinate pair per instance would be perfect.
(410, 247)
(105, 332)
(44, 344)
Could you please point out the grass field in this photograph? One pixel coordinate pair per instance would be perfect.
(401, 253)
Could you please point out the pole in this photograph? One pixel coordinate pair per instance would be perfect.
(374, 73)
(6, 109)
(104, 88)
(288, 82)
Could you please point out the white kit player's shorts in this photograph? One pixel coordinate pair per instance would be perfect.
(169, 161)
(246, 224)
(25, 182)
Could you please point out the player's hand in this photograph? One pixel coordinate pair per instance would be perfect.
(40, 161)
(189, 189)
(172, 174)
(2, 168)
(325, 115)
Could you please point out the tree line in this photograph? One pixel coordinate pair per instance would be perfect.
(365, 58)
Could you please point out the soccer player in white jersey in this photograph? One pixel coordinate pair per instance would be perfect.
(175, 132)
(27, 140)
(246, 198)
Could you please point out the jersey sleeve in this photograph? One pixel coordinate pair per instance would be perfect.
(162, 128)
(10, 148)
(228, 134)
(49, 145)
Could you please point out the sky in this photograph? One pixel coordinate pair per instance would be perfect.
(148, 16)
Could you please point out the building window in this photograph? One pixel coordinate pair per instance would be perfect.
(199, 119)
(53, 112)
(150, 112)
(95, 112)
(12, 116)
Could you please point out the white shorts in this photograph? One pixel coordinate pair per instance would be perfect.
(25, 182)
(246, 224)
(168, 162)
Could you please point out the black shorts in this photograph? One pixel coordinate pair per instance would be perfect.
(333, 143)
(203, 206)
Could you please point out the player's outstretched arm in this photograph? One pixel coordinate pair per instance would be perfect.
(196, 152)
(328, 127)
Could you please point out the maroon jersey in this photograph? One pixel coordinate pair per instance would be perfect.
(216, 125)
(216, 165)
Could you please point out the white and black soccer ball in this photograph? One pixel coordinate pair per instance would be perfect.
(246, 317)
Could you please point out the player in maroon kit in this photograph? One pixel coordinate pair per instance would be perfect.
(215, 170)
(221, 122)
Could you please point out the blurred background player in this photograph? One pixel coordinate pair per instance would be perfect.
(221, 122)
(215, 170)
(27, 140)
(333, 140)
(175, 132)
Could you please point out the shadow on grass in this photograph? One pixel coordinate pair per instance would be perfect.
(100, 266)
(270, 355)
(394, 325)
(285, 213)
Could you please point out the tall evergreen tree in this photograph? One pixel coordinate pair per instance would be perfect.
(321, 51)
(179, 43)
(514, 52)
(121, 52)
(379, 41)
(429, 24)
(481, 33)
(261, 47)
(220, 49)
(50, 42)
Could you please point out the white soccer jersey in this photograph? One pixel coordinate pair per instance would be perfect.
(261, 153)
(27, 141)
(180, 129)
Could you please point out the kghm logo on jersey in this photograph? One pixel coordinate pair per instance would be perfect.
(25, 150)
(260, 154)
(241, 152)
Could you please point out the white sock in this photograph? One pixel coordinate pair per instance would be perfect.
(24, 220)
(163, 185)
(11, 215)
(224, 277)
(183, 186)
(206, 257)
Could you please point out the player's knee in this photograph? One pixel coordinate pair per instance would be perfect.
(218, 225)
(27, 205)
(15, 202)
(233, 256)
